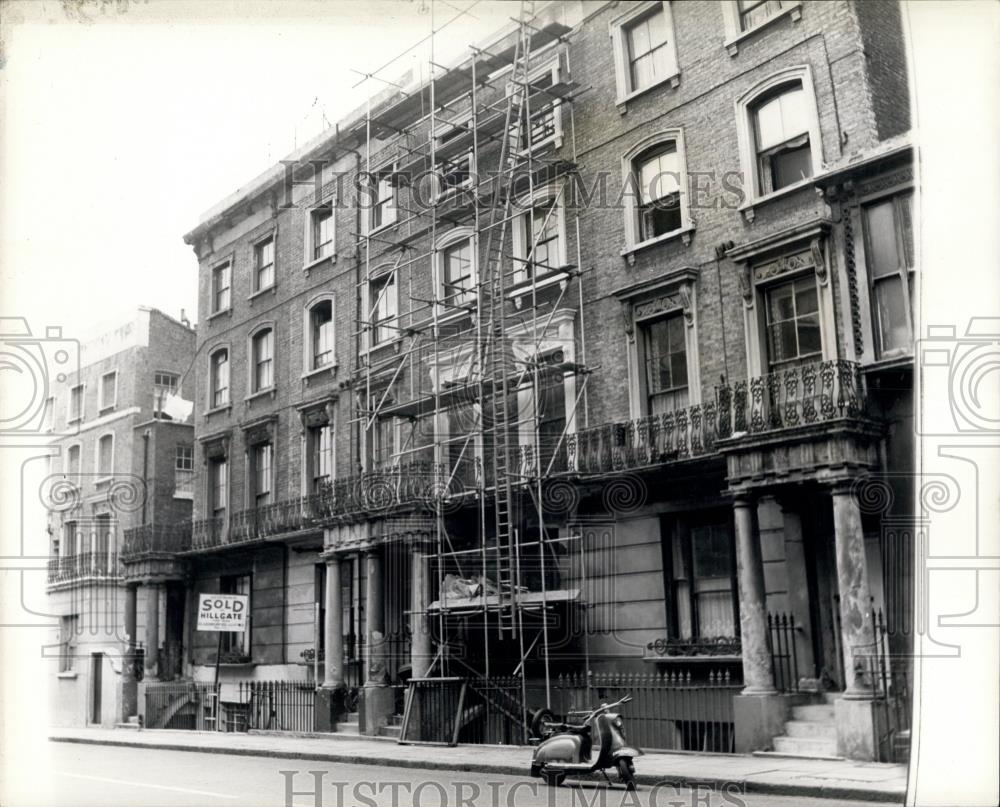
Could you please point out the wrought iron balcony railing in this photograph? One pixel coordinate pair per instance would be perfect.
(85, 566)
(151, 539)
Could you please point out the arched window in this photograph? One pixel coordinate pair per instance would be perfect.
(219, 378)
(779, 132)
(456, 268)
(262, 359)
(656, 198)
(318, 334)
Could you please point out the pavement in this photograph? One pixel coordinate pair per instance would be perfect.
(812, 778)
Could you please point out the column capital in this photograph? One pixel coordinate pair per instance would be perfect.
(333, 555)
(743, 499)
(842, 487)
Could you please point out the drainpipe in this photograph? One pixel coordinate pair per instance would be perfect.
(145, 471)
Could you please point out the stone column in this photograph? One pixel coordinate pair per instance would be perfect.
(420, 639)
(759, 712)
(333, 667)
(856, 630)
(758, 672)
(374, 617)
(152, 630)
(130, 688)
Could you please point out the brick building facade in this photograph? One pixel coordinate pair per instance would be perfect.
(118, 462)
(649, 391)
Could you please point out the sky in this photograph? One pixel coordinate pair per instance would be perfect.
(118, 133)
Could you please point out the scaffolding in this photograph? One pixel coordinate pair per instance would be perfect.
(472, 149)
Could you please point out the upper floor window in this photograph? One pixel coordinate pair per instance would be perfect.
(184, 471)
(262, 360)
(454, 173)
(219, 381)
(263, 457)
(164, 385)
(664, 347)
(657, 176)
(319, 233)
(321, 456)
(645, 51)
(541, 122)
(540, 236)
(792, 321)
(263, 262)
(888, 226)
(319, 334)
(382, 307)
(109, 391)
(106, 456)
(382, 199)
(49, 414)
(76, 403)
(779, 132)
(754, 12)
(457, 271)
(218, 486)
(221, 282)
(73, 463)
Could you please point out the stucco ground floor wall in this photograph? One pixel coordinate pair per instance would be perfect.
(84, 655)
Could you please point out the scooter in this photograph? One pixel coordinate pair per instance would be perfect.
(566, 748)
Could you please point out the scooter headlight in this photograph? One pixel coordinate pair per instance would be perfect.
(618, 723)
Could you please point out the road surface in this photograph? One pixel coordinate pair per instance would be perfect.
(104, 776)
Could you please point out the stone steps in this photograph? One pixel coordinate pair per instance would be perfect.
(394, 728)
(351, 725)
(814, 712)
(807, 746)
(816, 729)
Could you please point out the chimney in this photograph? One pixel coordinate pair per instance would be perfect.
(184, 320)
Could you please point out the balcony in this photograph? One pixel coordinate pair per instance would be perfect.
(87, 566)
(156, 539)
(798, 396)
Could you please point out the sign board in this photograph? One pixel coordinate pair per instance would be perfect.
(223, 612)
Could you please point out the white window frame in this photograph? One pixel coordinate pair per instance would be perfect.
(76, 417)
(309, 238)
(252, 389)
(631, 186)
(210, 507)
(554, 68)
(73, 478)
(747, 140)
(103, 404)
(371, 330)
(311, 435)
(212, 406)
(156, 387)
(255, 269)
(735, 33)
(308, 351)
(253, 494)
(619, 42)
(443, 192)
(554, 192)
(98, 472)
(183, 494)
(372, 204)
(227, 266)
(446, 241)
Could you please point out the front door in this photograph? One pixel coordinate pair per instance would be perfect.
(96, 670)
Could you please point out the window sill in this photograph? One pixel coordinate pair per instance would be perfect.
(269, 392)
(556, 141)
(622, 101)
(732, 45)
(332, 258)
(897, 361)
(684, 233)
(747, 208)
(105, 410)
(218, 409)
(220, 312)
(329, 369)
(273, 289)
(523, 288)
(77, 419)
(66, 676)
(104, 481)
(184, 496)
(381, 229)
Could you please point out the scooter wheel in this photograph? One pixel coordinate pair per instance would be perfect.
(553, 779)
(626, 772)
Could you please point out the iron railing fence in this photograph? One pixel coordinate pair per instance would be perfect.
(277, 705)
(673, 711)
(189, 705)
(781, 632)
(485, 711)
(86, 565)
(150, 539)
(891, 678)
